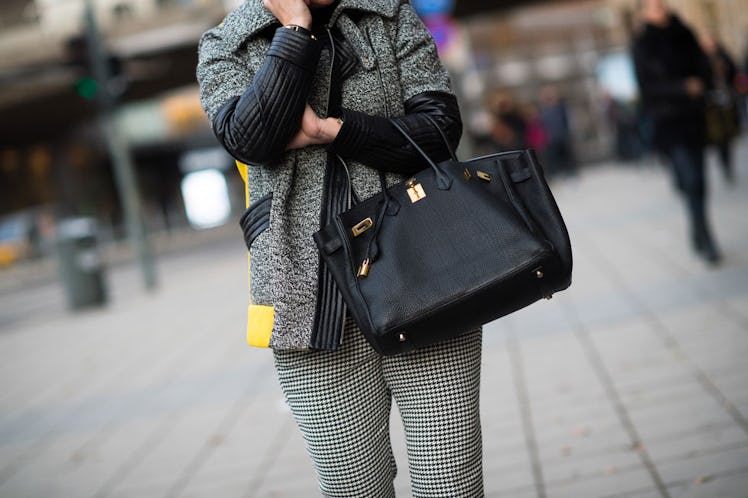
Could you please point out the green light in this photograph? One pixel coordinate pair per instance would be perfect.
(87, 88)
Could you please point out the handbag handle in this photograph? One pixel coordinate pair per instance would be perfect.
(444, 138)
(443, 181)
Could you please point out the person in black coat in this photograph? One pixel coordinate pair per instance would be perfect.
(722, 113)
(674, 76)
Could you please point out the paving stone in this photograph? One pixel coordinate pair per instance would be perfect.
(722, 486)
(506, 455)
(251, 453)
(738, 304)
(523, 492)
(148, 490)
(677, 417)
(601, 427)
(742, 405)
(732, 385)
(86, 468)
(703, 466)
(644, 396)
(627, 344)
(711, 357)
(172, 450)
(503, 479)
(287, 479)
(499, 442)
(667, 371)
(605, 309)
(668, 295)
(609, 440)
(694, 442)
(575, 465)
(233, 486)
(603, 485)
(564, 410)
(568, 397)
(541, 319)
(692, 323)
(650, 492)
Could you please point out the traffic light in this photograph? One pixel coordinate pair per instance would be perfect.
(88, 82)
(79, 59)
(87, 87)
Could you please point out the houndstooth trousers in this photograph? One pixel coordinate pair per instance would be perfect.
(341, 401)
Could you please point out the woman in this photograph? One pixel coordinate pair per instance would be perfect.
(301, 93)
(673, 76)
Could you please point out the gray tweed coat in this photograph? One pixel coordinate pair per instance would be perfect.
(398, 59)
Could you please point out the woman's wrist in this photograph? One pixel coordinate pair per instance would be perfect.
(300, 22)
(329, 129)
(300, 29)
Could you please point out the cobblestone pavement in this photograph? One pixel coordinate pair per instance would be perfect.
(633, 383)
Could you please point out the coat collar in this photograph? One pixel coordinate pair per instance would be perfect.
(385, 8)
(251, 17)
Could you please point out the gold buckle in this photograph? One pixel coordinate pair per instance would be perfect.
(362, 226)
(483, 176)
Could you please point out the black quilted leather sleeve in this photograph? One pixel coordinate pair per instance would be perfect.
(257, 126)
(373, 140)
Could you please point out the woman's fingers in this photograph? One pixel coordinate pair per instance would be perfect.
(314, 130)
(290, 11)
(309, 130)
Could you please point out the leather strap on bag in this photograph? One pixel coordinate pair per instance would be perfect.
(444, 137)
(443, 181)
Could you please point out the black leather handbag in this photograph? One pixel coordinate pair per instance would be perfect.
(456, 246)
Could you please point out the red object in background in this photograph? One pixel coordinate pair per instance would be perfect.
(535, 135)
(741, 83)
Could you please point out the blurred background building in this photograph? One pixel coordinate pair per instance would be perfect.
(54, 159)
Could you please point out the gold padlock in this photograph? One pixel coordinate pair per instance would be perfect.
(415, 191)
(363, 270)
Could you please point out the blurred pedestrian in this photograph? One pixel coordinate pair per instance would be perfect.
(555, 118)
(535, 136)
(292, 88)
(624, 120)
(508, 127)
(674, 75)
(741, 85)
(722, 114)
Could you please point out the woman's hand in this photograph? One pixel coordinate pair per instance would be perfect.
(314, 130)
(290, 12)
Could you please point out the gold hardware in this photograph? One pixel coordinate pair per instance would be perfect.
(401, 337)
(483, 176)
(300, 29)
(539, 273)
(468, 176)
(415, 191)
(363, 270)
(362, 226)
